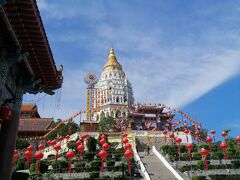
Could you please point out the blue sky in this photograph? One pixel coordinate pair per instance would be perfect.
(181, 53)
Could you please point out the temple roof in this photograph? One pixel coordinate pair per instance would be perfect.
(35, 124)
(25, 22)
(112, 63)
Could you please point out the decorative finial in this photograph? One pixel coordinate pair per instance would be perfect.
(112, 52)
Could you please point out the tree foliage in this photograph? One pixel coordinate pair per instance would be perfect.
(63, 130)
(107, 123)
(91, 144)
(21, 144)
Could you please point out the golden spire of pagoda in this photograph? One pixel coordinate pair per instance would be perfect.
(112, 63)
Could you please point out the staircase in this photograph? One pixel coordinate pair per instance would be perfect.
(156, 168)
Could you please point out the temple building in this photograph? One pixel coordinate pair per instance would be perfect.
(31, 124)
(150, 117)
(112, 91)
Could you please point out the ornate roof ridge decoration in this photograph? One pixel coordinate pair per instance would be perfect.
(112, 63)
(26, 23)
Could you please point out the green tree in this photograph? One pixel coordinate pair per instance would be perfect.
(107, 123)
(21, 143)
(91, 144)
(72, 145)
(63, 130)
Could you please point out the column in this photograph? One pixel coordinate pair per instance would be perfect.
(3, 74)
(8, 136)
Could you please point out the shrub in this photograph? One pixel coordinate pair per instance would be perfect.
(205, 145)
(196, 156)
(72, 145)
(236, 164)
(184, 168)
(79, 166)
(95, 163)
(118, 177)
(110, 165)
(20, 164)
(36, 176)
(94, 174)
(118, 156)
(89, 156)
(118, 167)
(198, 178)
(32, 168)
(60, 165)
(200, 164)
(225, 177)
(19, 176)
(43, 167)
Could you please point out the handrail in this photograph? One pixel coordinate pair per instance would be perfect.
(143, 169)
(166, 164)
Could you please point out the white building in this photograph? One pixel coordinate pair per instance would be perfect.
(113, 90)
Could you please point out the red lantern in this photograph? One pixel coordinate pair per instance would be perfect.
(30, 148)
(40, 147)
(53, 142)
(238, 141)
(178, 141)
(80, 149)
(125, 140)
(5, 113)
(78, 142)
(213, 132)
(128, 155)
(125, 135)
(27, 156)
(67, 136)
(224, 146)
(38, 156)
(102, 141)
(197, 134)
(172, 136)
(70, 155)
(204, 153)
(224, 135)
(186, 131)
(103, 155)
(103, 136)
(60, 138)
(49, 143)
(209, 141)
(189, 147)
(128, 146)
(105, 146)
(56, 148)
(164, 134)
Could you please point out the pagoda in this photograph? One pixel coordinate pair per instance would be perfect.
(113, 93)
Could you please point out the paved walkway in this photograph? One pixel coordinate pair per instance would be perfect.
(156, 168)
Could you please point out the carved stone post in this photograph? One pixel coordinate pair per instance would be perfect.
(8, 136)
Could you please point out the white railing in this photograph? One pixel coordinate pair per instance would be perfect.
(166, 164)
(143, 169)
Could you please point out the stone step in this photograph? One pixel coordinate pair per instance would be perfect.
(155, 168)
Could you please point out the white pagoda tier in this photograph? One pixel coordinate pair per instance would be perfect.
(113, 93)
